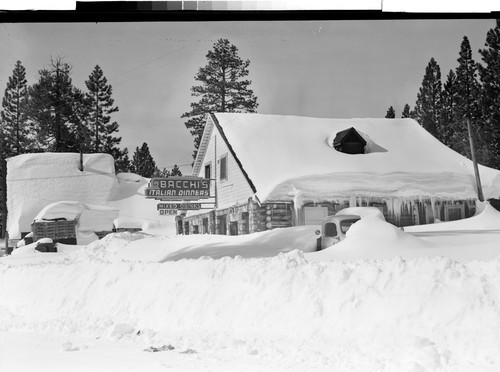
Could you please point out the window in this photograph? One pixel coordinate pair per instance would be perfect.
(346, 224)
(223, 167)
(195, 229)
(454, 212)
(330, 229)
(208, 171)
(233, 228)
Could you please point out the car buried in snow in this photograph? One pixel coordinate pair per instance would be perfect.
(335, 227)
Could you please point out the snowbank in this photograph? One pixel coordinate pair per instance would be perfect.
(486, 218)
(389, 315)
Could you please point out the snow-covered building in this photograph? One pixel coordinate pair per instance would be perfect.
(50, 186)
(273, 171)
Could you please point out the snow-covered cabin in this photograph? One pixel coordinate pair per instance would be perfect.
(276, 171)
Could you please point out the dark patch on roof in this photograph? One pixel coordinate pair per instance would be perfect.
(346, 134)
(349, 141)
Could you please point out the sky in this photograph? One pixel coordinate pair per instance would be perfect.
(337, 69)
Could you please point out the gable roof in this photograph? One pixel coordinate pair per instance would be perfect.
(211, 123)
(343, 134)
(287, 156)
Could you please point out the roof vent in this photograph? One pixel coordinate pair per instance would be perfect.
(349, 141)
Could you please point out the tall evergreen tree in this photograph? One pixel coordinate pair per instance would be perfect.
(407, 113)
(101, 108)
(14, 120)
(14, 130)
(391, 113)
(428, 104)
(449, 103)
(102, 131)
(467, 101)
(52, 106)
(142, 162)
(223, 88)
(490, 95)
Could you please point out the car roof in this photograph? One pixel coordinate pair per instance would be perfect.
(341, 217)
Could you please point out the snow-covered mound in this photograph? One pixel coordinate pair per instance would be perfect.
(486, 218)
(389, 315)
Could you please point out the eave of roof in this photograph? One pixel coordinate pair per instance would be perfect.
(221, 131)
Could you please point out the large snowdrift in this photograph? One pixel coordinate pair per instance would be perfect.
(430, 314)
(403, 159)
(381, 300)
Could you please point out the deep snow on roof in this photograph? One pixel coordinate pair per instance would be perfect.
(37, 180)
(289, 155)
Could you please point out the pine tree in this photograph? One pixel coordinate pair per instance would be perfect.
(407, 113)
(14, 120)
(391, 113)
(175, 171)
(449, 102)
(14, 130)
(163, 173)
(103, 131)
(101, 108)
(428, 105)
(223, 88)
(142, 162)
(52, 106)
(490, 95)
(467, 101)
(122, 161)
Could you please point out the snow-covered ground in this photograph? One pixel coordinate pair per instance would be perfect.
(381, 300)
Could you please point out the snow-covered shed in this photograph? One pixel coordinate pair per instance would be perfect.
(46, 187)
(272, 170)
(35, 181)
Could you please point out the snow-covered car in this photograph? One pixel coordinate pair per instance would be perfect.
(333, 229)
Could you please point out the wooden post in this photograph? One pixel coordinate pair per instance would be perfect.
(474, 162)
(80, 165)
(216, 203)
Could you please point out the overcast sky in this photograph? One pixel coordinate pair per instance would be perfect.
(338, 69)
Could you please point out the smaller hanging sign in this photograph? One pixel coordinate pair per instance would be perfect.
(180, 206)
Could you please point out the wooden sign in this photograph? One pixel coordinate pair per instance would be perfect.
(180, 206)
(178, 188)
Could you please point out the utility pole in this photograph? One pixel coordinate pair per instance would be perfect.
(474, 161)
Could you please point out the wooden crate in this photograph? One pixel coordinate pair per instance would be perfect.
(56, 230)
